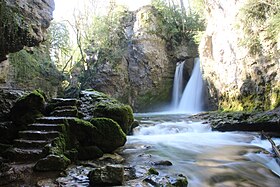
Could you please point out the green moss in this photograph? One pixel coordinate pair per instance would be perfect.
(154, 99)
(34, 69)
(10, 18)
(83, 131)
(116, 111)
(28, 108)
(109, 135)
(153, 171)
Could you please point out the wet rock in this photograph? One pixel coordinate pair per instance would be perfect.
(133, 126)
(243, 121)
(153, 171)
(163, 163)
(52, 163)
(89, 153)
(177, 181)
(111, 158)
(7, 100)
(108, 175)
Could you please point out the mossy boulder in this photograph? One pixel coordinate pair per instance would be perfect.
(104, 133)
(116, 111)
(82, 131)
(109, 135)
(28, 108)
(52, 163)
(89, 153)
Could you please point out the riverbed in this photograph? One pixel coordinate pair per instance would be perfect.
(205, 157)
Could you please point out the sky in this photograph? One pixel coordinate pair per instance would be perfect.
(64, 8)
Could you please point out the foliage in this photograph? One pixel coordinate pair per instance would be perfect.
(58, 39)
(174, 25)
(33, 69)
(260, 22)
(108, 40)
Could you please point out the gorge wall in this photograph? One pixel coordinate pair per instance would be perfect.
(241, 68)
(144, 77)
(23, 23)
(24, 64)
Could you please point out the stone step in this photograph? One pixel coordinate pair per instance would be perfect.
(28, 144)
(65, 113)
(53, 120)
(65, 102)
(24, 155)
(45, 127)
(38, 135)
(66, 108)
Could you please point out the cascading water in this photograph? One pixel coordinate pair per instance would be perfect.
(208, 158)
(192, 98)
(178, 84)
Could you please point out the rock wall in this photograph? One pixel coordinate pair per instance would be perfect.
(23, 23)
(24, 64)
(144, 77)
(238, 79)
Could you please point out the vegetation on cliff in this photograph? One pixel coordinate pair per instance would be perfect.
(33, 69)
(260, 21)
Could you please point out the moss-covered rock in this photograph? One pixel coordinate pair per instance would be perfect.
(104, 133)
(118, 112)
(52, 163)
(89, 153)
(83, 131)
(28, 108)
(109, 135)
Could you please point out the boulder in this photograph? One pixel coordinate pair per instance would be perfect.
(172, 181)
(118, 112)
(109, 175)
(98, 104)
(89, 153)
(109, 135)
(8, 98)
(104, 133)
(52, 163)
(28, 108)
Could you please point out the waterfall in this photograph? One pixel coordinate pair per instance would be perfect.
(192, 98)
(177, 85)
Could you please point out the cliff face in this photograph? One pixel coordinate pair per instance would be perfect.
(239, 79)
(23, 23)
(144, 77)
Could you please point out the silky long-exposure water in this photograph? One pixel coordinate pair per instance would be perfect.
(207, 158)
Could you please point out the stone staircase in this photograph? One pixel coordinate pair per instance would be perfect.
(30, 145)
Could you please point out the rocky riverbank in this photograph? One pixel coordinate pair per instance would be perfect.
(268, 121)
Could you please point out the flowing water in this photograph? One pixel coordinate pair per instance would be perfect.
(177, 85)
(207, 158)
(192, 97)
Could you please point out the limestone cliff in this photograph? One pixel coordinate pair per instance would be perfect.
(23, 23)
(241, 68)
(144, 77)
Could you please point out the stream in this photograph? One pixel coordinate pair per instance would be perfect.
(206, 157)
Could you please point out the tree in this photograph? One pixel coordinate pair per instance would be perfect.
(58, 40)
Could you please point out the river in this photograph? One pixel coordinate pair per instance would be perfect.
(206, 157)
